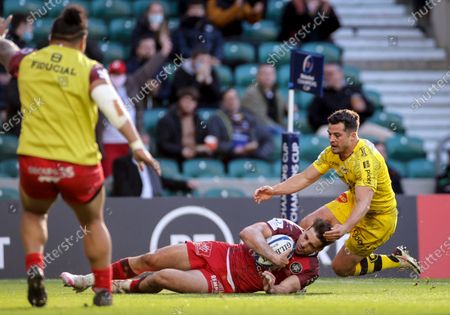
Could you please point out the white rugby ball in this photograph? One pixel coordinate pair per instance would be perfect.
(280, 244)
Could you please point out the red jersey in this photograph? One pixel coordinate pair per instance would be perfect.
(244, 274)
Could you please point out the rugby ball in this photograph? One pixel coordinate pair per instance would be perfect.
(280, 244)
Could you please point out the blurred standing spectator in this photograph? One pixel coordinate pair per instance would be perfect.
(152, 23)
(228, 15)
(239, 133)
(130, 181)
(180, 134)
(264, 100)
(308, 20)
(443, 180)
(396, 179)
(198, 72)
(337, 95)
(195, 30)
(21, 31)
(145, 49)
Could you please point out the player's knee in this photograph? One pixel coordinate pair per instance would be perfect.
(340, 270)
(150, 261)
(162, 278)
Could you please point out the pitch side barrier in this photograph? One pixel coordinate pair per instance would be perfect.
(137, 226)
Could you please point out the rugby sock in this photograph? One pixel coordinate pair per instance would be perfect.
(121, 270)
(134, 286)
(103, 279)
(34, 259)
(375, 262)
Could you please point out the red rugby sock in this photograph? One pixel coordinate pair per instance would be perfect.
(121, 270)
(103, 279)
(34, 259)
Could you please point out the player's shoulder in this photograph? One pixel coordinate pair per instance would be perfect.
(303, 264)
(365, 149)
(279, 223)
(17, 58)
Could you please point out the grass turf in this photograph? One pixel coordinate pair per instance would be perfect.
(326, 296)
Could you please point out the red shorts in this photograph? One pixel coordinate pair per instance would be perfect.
(210, 258)
(44, 179)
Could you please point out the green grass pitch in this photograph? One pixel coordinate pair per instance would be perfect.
(327, 296)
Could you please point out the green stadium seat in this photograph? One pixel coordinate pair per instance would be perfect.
(275, 9)
(276, 154)
(113, 51)
(97, 29)
(121, 30)
(224, 193)
(272, 51)
(170, 8)
(399, 166)
(403, 148)
(311, 146)
(240, 90)
(331, 52)
(8, 147)
(303, 100)
(301, 122)
(225, 75)
(140, 7)
(276, 166)
(421, 168)
(9, 194)
(245, 74)
(42, 29)
(24, 6)
(238, 53)
(352, 76)
(110, 9)
(375, 98)
(151, 118)
(9, 168)
(173, 24)
(391, 121)
(201, 168)
(206, 113)
(169, 168)
(56, 11)
(245, 168)
(283, 76)
(262, 31)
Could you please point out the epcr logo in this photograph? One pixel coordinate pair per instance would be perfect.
(308, 65)
(179, 238)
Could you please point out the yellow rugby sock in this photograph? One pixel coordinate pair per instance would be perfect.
(375, 262)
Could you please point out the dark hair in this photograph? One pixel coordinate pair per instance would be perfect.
(188, 90)
(321, 226)
(17, 19)
(348, 117)
(199, 50)
(71, 25)
(196, 2)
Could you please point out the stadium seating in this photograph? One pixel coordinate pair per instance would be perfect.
(121, 30)
(301, 122)
(375, 98)
(110, 9)
(9, 194)
(283, 76)
(22, 6)
(170, 7)
(262, 31)
(169, 168)
(140, 7)
(238, 52)
(97, 29)
(303, 100)
(42, 29)
(352, 76)
(421, 168)
(223, 193)
(151, 117)
(275, 10)
(268, 49)
(225, 76)
(8, 147)
(403, 148)
(113, 51)
(245, 74)
(399, 167)
(311, 146)
(391, 121)
(54, 12)
(249, 168)
(200, 168)
(9, 168)
(331, 52)
(206, 113)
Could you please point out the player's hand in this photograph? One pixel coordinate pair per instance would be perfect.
(280, 261)
(4, 24)
(142, 156)
(336, 232)
(268, 281)
(263, 193)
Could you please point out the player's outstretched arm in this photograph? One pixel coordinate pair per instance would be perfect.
(7, 47)
(293, 184)
(289, 285)
(254, 236)
(111, 105)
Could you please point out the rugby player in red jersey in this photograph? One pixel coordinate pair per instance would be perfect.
(218, 267)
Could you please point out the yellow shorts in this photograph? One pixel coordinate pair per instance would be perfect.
(371, 232)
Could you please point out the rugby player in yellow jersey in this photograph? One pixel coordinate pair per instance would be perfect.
(60, 92)
(368, 210)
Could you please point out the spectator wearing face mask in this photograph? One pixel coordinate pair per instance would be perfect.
(153, 24)
(198, 72)
(21, 30)
(195, 30)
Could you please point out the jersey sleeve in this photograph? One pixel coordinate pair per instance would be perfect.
(98, 72)
(306, 278)
(366, 170)
(322, 162)
(285, 227)
(14, 63)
